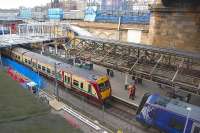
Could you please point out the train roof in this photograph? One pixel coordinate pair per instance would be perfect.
(87, 74)
(175, 106)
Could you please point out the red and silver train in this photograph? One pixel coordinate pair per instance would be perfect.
(88, 83)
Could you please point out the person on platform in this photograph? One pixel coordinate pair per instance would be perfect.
(131, 91)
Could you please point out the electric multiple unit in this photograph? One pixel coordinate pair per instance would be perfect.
(88, 83)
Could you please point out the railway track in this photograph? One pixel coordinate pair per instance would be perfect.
(116, 107)
(121, 109)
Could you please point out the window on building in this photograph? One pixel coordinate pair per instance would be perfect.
(18, 57)
(25, 60)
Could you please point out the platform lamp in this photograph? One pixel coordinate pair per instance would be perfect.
(187, 119)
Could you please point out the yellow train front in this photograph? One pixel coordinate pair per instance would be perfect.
(104, 87)
(93, 85)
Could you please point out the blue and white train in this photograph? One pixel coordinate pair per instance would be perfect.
(169, 115)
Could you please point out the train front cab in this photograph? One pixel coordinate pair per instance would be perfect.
(167, 121)
(104, 87)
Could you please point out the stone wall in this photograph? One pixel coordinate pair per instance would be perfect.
(110, 30)
(109, 34)
(175, 27)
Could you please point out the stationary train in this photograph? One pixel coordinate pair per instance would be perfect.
(88, 83)
(169, 115)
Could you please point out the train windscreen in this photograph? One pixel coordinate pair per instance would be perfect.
(142, 103)
(105, 85)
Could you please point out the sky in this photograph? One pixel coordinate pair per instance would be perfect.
(7, 4)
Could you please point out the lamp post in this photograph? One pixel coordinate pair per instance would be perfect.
(1, 63)
(187, 119)
(56, 83)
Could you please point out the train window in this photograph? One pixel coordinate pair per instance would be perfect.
(39, 66)
(162, 101)
(102, 86)
(25, 60)
(43, 68)
(34, 64)
(107, 83)
(89, 88)
(68, 79)
(81, 85)
(176, 124)
(75, 83)
(48, 70)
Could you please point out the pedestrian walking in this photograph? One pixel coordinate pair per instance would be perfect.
(131, 91)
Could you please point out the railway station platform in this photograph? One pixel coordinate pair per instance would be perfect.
(119, 91)
(118, 84)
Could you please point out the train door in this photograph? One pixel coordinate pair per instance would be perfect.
(195, 128)
(67, 79)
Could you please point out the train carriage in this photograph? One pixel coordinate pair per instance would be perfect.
(169, 115)
(88, 83)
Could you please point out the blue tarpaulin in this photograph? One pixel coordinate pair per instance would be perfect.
(25, 71)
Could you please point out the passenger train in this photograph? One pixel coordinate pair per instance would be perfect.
(169, 115)
(88, 83)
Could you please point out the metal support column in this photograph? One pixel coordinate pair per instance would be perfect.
(126, 81)
(27, 33)
(56, 83)
(19, 30)
(56, 49)
(10, 31)
(156, 65)
(178, 69)
(42, 49)
(107, 54)
(198, 89)
(2, 30)
(42, 29)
